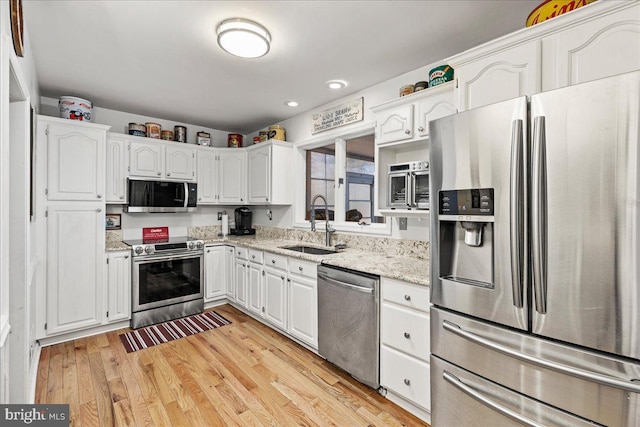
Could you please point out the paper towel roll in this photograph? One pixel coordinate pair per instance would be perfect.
(225, 225)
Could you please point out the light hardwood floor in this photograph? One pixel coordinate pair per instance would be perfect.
(241, 374)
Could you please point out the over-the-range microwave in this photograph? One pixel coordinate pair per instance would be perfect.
(408, 185)
(161, 196)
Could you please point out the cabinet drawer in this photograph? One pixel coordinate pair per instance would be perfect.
(303, 268)
(241, 253)
(275, 261)
(406, 376)
(406, 330)
(255, 256)
(405, 294)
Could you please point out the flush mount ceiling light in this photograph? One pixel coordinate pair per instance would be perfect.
(336, 84)
(291, 103)
(243, 38)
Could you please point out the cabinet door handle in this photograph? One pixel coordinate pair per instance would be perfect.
(273, 261)
(159, 173)
(199, 198)
(407, 131)
(420, 129)
(168, 174)
(98, 210)
(407, 381)
(407, 297)
(126, 257)
(208, 251)
(300, 268)
(253, 257)
(241, 200)
(99, 196)
(121, 197)
(407, 335)
(282, 277)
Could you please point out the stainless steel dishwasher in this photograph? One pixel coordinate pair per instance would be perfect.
(348, 322)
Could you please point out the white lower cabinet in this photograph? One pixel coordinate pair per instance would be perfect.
(254, 285)
(75, 281)
(241, 282)
(215, 272)
(405, 341)
(275, 295)
(118, 286)
(303, 301)
(230, 281)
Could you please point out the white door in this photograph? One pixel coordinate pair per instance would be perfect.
(259, 168)
(180, 163)
(504, 75)
(232, 185)
(116, 163)
(119, 286)
(146, 160)
(230, 281)
(76, 163)
(75, 250)
(207, 176)
(275, 297)
(303, 309)
(254, 282)
(214, 272)
(241, 283)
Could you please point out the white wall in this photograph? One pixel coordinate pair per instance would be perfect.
(119, 122)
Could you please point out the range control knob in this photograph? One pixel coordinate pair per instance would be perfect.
(148, 249)
(138, 250)
(199, 244)
(191, 245)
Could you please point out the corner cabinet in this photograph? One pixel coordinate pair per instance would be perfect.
(215, 272)
(222, 176)
(406, 119)
(75, 159)
(75, 282)
(269, 173)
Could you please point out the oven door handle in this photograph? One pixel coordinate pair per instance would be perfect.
(156, 258)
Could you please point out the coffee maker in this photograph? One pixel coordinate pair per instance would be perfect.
(243, 222)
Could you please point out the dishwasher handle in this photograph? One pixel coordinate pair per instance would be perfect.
(345, 284)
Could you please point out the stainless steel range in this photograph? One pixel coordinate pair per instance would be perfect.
(167, 280)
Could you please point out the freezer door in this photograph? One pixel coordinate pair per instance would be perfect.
(482, 150)
(593, 386)
(585, 214)
(461, 398)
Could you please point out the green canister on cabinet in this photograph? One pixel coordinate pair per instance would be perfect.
(440, 75)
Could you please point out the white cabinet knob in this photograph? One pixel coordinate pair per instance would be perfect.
(407, 297)
(98, 210)
(300, 268)
(407, 381)
(407, 335)
(99, 196)
(273, 261)
(126, 257)
(168, 174)
(420, 129)
(121, 197)
(407, 131)
(159, 174)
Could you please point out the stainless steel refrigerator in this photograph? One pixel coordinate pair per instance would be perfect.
(535, 260)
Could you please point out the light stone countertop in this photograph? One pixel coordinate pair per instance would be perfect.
(408, 269)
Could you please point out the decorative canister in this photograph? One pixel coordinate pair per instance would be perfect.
(420, 85)
(264, 135)
(137, 129)
(203, 138)
(234, 140)
(551, 8)
(256, 140)
(406, 90)
(276, 132)
(167, 135)
(180, 133)
(153, 130)
(439, 75)
(75, 108)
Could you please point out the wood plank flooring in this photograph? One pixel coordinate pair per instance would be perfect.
(243, 374)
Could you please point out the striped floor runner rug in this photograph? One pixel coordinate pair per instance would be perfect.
(164, 332)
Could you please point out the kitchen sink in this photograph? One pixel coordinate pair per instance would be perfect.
(310, 250)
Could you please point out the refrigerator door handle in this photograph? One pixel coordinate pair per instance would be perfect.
(539, 215)
(457, 383)
(517, 211)
(628, 385)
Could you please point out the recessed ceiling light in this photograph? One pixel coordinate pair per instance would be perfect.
(291, 103)
(243, 38)
(336, 84)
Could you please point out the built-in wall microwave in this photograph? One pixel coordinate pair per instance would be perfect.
(408, 185)
(161, 196)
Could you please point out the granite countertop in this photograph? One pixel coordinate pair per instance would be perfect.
(408, 269)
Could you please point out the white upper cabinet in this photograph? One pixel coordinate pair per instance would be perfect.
(161, 160)
(269, 173)
(505, 74)
(76, 159)
(207, 176)
(117, 164)
(406, 119)
(232, 184)
(604, 46)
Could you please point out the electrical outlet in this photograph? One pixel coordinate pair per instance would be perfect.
(402, 222)
(219, 216)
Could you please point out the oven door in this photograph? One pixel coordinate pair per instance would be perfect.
(165, 280)
(399, 194)
(420, 185)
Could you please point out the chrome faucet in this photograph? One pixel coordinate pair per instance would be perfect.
(328, 229)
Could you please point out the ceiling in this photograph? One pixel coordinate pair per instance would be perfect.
(160, 58)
